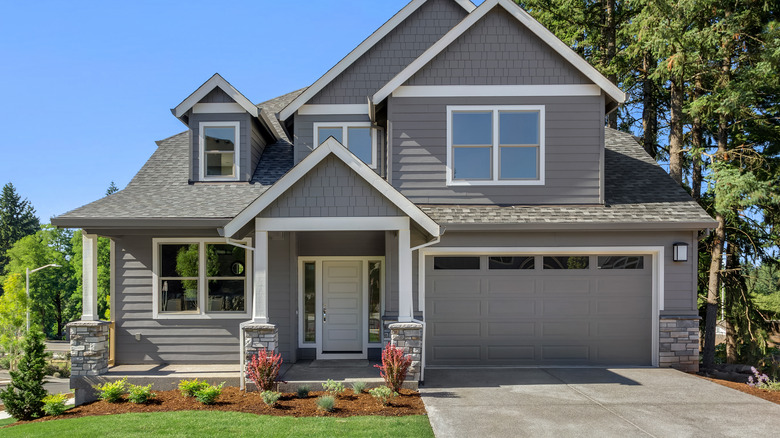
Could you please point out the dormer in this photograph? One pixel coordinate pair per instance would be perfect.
(228, 132)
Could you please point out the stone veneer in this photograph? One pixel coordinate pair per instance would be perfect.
(408, 335)
(679, 343)
(88, 348)
(255, 338)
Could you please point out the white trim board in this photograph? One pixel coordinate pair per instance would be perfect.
(214, 82)
(359, 51)
(217, 108)
(657, 253)
(534, 26)
(496, 90)
(331, 146)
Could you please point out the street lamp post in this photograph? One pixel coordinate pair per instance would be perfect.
(27, 288)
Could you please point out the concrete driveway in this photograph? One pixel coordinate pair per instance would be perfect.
(589, 402)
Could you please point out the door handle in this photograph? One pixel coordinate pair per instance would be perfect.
(324, 315)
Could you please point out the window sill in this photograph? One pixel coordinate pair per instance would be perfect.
(201, 316)
(496, 183)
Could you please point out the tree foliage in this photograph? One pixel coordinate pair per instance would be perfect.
(23, 398)
(17, 219)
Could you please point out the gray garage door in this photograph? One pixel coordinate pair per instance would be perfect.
(540, 310)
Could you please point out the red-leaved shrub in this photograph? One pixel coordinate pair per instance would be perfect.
(263, 369)
(395, 365)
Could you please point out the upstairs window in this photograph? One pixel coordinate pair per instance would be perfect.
(501, 145)
(359, 137)
(219, 151)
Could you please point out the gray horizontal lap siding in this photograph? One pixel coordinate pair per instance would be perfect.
(573, 143)
(680, 288)
(392, 54)
(498, 50)
(331, 189)
(187, 340)
(248, 162)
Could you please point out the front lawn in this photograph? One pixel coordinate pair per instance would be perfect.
(213, 423)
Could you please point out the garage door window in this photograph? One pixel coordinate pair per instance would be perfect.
(498, 263)
(621, 262)
(456, 263)
(566, 262)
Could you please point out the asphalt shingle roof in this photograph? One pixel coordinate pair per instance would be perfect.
(638, 191)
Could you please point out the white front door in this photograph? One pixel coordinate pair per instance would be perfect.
(342, 307)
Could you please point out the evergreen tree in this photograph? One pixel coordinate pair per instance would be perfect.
(17, 219)
(112, 188)
(23, 398)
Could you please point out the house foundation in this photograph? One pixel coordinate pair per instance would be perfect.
(679, 343)
(89, 343)
(409, 335)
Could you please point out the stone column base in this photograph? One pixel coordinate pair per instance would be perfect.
(679, 343)
(409, 335)
(255, 337)
(88, 356)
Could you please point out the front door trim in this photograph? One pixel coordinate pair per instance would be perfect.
(318, 303)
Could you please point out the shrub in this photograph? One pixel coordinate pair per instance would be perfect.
(54, 405)
(762, 381)
(209, 394)
(112, 391)
(23, 398)
(303, 391)
(395, 365)
(263, 369)
(383, 394)
(358, 387)
(326, 403)
(270, 397)
(333, 388)
(188, 388)
(140, 394)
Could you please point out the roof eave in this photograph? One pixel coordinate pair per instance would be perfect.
(580, 226)
(138, 223)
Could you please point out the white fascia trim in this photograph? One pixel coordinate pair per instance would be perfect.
(217, 108)
(381, 223)
(203, 90)
(316, 110)
(496, 90)
(331, 146)
(202, 151)
(562, 49)
(657, 253)
(467, 5)
(201, 314)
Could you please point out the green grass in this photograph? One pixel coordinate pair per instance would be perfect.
(213, 423)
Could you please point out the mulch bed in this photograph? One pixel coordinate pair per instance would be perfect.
(773, 396)
(233, 399)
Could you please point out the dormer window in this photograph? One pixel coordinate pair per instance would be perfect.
(219, 151)
(495, 145)
(359, 137)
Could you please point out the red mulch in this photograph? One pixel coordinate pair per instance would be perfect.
(233, 399)
(773, 396)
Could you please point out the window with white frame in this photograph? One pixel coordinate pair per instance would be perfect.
(198, 277)
(359, 137)
(219, 150)
(495, 145)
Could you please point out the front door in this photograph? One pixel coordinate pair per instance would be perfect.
(342, 307)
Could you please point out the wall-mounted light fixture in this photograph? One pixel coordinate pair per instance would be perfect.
(680, 252)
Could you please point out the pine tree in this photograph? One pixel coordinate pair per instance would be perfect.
(23, 398)
(17, 219)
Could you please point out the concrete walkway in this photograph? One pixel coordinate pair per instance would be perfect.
(588, 402)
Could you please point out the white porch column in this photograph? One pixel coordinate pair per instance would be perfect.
(260, 305)
(405, 309)
(89, 307)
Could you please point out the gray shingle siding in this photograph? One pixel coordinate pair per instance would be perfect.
(574, 128)
(392, 54)
(217, 96)
(498, 50)
(331, 189)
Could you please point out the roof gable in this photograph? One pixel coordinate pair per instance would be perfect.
(331, 147)
(204, 90)
(358, 52)
(534, 26)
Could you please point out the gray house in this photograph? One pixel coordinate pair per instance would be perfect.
(449, 186)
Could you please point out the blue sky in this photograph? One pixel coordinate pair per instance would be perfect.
(88, 86)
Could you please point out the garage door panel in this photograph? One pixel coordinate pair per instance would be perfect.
(511, 328)
(539, 317)
(466, 309)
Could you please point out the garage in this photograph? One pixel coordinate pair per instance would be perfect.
(527, 310)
